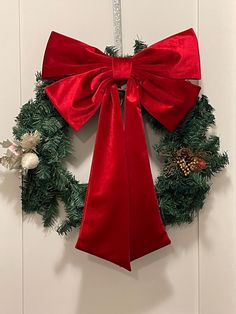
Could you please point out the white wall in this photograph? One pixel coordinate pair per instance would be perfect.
(42, 273)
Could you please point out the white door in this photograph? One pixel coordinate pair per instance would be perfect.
(42, 273)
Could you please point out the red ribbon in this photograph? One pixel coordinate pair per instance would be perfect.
(121, 220)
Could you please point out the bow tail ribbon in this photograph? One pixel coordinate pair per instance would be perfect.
(121, 220)
(147, 232)
(104, 231)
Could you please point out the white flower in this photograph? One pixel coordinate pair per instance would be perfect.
(29, 161)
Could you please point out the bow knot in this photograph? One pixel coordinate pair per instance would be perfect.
(121, 68)
(121, 219)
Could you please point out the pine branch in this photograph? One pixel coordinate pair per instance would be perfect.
(139, 45)
(111, 51)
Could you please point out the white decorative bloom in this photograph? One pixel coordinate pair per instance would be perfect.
(29, 161)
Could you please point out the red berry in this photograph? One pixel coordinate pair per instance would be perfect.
(201, 164)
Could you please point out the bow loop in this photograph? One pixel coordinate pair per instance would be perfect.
(65, 56)
(176, 57)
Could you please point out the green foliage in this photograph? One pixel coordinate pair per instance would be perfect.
(51, 184)
(139, 45)
(180, 197)
(111, 51)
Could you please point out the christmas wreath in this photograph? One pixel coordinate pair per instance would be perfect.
(189, 156)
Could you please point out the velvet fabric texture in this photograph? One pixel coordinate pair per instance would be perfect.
(121, 220)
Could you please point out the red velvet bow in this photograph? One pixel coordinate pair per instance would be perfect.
(121, 220)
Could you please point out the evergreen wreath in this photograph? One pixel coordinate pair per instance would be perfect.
(190, 157)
